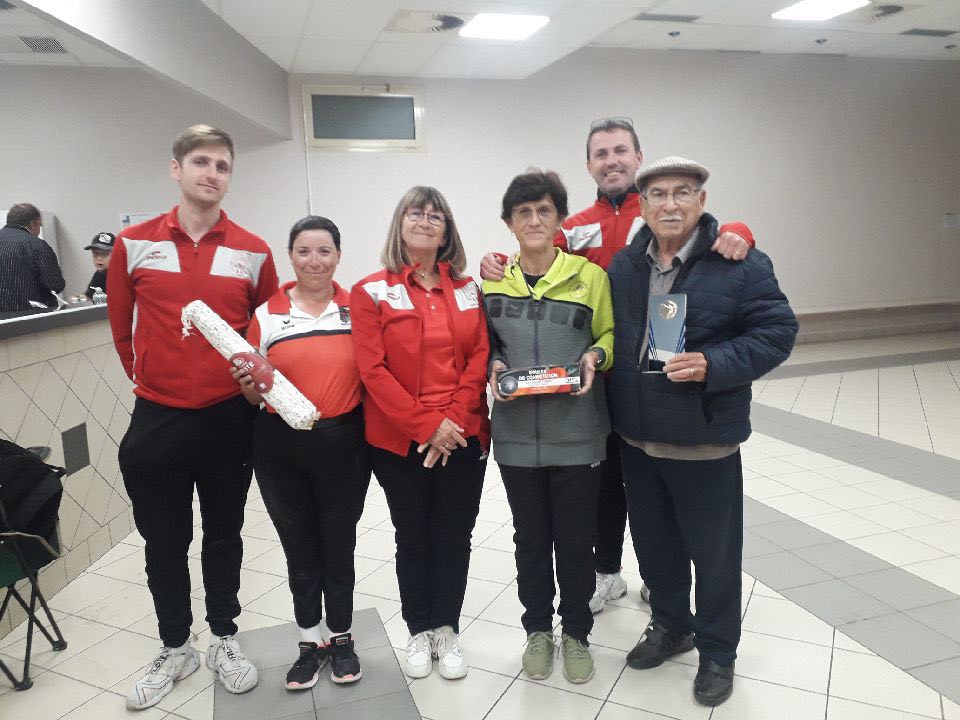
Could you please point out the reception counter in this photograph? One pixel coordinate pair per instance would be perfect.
(62, 385)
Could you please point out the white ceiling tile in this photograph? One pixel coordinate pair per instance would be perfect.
(328, 56)
(213, 5)
(843, 43)
(689, 7)
(255, 17)
(395, 58)
(460, 59)
(436, 39)
(577, 26)
(520, 62)
(19, 19)
(623, 35)
(38, 59)
(90, 54)
(281, 50)
(357, 20)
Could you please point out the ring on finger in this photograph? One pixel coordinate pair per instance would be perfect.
(690, 372)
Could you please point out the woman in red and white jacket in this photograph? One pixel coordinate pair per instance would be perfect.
(420, 340)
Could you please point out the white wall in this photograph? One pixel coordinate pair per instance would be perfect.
(88, 144)
(843, 167)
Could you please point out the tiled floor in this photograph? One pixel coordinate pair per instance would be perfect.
(853, 542)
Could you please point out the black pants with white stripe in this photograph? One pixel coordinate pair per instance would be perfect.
(165, 454)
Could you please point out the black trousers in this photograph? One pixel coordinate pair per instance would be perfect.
(313, 484)
(683, 511)
(433, 512)
(554, 511)
(165, 453)
(611, 511)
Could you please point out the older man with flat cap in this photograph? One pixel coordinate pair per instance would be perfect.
(683, 423)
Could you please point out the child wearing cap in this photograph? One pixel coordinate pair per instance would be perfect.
(100, 248)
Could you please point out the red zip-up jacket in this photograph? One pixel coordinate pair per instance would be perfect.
(155, 270)
(387, 336)
(602, 230)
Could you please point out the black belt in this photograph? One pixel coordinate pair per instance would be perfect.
(354, 415)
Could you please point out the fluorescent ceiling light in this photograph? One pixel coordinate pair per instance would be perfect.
(818, 9)
(497, 26)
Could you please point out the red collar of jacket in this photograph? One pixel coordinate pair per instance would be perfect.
(172, 221)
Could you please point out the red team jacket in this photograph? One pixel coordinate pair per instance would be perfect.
(155, 270)
(387, 331)
(602, 230)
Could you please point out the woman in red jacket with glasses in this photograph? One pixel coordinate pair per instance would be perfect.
(420, 340)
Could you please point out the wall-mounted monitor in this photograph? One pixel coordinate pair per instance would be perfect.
(372, 118)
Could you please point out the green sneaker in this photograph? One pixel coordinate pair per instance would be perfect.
(577, 661)
(538, 657)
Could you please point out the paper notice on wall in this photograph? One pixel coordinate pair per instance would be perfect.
(134, 218)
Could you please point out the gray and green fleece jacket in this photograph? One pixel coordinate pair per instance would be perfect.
(566, 313)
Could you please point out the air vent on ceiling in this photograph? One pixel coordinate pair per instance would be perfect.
(657, 17)
(882, 11)
(43, 45)
(424, 22)
(926, 32)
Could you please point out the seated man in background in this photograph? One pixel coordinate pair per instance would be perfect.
(100, 248)
(28, 266)
(682, 427)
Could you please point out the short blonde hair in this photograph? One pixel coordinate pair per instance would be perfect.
(393, 257)
(198, 135)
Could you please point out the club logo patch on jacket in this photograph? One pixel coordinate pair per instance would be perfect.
(467, 297)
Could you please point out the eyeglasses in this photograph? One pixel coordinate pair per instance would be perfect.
(681, 196)
(610, 123)
(435, 218)
(524, 215)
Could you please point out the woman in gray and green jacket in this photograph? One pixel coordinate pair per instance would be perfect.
(550, 308)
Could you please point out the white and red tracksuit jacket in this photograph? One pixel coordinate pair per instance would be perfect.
(387, 336)
(155, 270)
(604, 229)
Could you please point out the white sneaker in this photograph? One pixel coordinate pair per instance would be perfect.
(645, 592)
(419, 660)
(170, 665)
(609, 587)
(449, 657)
(230, 665)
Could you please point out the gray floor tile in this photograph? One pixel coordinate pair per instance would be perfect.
(754, 545)
(944, 677)
(398, 706)
(841, 560)
(943, 617)
(901, 590)
(902, 640)
(756, 513)
(381, 676)
(267, 701)
(790, 534)
(783, 570)
(836, 602)
(276, 646)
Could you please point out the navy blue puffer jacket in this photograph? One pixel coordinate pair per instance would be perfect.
(737, 317)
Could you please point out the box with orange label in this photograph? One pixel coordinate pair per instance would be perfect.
(539, 380)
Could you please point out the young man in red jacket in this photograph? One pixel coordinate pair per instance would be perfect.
(598, 233)
(190, 427)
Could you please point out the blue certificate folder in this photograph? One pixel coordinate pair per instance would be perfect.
(668, 328)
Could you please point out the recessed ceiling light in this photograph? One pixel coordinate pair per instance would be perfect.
(497, 26)
(818, 9)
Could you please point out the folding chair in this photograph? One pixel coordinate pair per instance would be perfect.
(28, 541)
